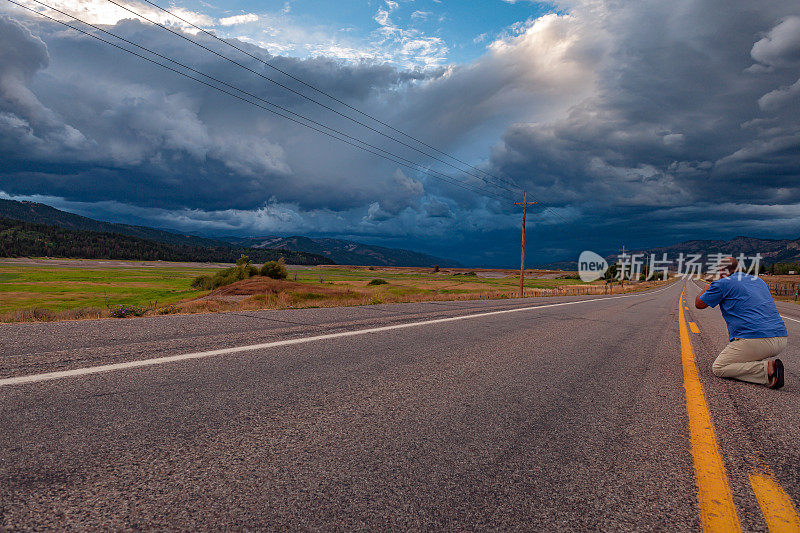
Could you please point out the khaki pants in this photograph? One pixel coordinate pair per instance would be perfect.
(745, 359)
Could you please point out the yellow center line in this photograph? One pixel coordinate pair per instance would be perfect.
(776, 505)
(717, 511)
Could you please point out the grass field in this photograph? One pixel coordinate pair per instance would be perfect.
(60, 286)
(40, 289)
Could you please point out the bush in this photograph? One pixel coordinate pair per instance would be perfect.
(169, 310)
(225, 277)
(126, 311)
(374, 301)
(378, 281)
(203, 283)
(275, 269)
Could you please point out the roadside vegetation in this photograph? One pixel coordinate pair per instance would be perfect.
(44, 290)
(243, 270)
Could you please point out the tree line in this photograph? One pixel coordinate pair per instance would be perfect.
(24, 239)
(780, 269)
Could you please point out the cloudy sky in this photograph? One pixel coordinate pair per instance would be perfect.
(640, 123)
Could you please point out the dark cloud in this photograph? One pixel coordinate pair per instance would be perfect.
(641, 123)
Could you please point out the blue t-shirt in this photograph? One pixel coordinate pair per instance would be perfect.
(747, 307)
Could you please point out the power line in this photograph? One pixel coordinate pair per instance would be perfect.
(285, 110)
(279, 84)
(390, 157)
(324, 93)
(335, 99)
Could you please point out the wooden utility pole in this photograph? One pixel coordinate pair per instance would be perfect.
(524, 205)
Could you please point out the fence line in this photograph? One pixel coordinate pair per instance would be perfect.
(784, 288)
(565, 291)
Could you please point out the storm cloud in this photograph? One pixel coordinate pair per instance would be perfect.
(642, 122)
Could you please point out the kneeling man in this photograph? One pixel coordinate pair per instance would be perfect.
(755, 329)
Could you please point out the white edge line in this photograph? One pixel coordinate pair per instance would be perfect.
(35, 378)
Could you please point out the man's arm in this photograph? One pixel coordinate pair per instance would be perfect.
(698, 303)
(713, 296)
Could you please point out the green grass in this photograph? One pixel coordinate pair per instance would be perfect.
(58, 288)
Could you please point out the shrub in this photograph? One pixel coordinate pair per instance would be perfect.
(375, 301)
(378, 281)
(126, 311)
(275, 269)
(204, 283)
(470, 274)
(224, 277)
(436, 268)
(169, 310)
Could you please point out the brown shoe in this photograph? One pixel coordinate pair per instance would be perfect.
(776, 380)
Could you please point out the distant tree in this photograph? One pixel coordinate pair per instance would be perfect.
(611, 272)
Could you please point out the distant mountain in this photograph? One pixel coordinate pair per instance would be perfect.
(26, 239)
(771, 250)
(309, 251)
(44, 214)
(347, 252)
(33, 229)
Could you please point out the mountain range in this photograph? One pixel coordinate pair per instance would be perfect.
(318, 250)
(771, 250)
(346, 252)
(37, 213)
(302, 250)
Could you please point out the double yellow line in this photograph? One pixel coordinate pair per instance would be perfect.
(717, 510)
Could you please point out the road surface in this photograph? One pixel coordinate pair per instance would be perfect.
(541, 414)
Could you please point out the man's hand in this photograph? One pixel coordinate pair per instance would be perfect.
(698, 303)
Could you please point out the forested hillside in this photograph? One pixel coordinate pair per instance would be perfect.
(24, 239)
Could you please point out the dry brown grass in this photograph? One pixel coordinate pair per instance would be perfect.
(785, 278)
(37, 314)
(784, 287)
(264, 293)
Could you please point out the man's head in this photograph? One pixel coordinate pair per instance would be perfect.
(727, 266)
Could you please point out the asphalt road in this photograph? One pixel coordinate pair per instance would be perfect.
(565, 417)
